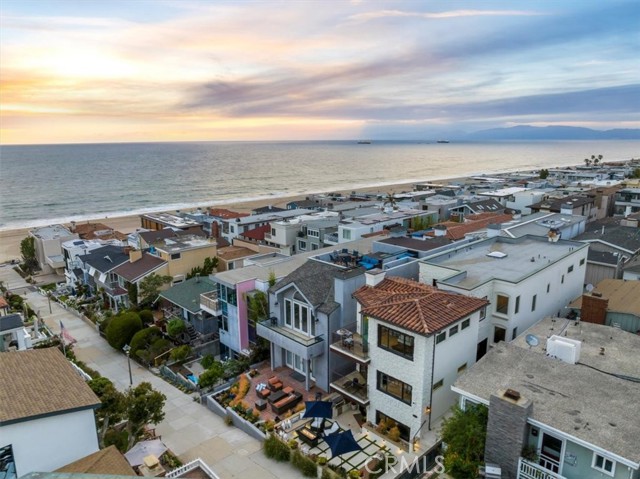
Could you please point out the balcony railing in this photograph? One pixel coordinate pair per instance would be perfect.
(210, 303)
(331, 239)
(349, 343)
(353, 385)
(531, 470)
(294, 341)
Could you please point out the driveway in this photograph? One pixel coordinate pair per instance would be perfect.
(189, 429)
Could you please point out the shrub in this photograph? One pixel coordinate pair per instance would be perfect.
(293, 444)
(207, 361)
(143, 339)
(228, 420)
(146, 315)
(394, 433)
(328, 474)
(175, 327)
(322, 460)
(181, 352)
(212, 375)
(243, 388)
(120, 439)
(305, 465)
(353, 474)
(122, 328)
(275, 449)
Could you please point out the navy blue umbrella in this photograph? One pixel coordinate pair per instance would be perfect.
(318, 409)
(342, 443)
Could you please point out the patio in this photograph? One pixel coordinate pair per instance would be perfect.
(291, 381)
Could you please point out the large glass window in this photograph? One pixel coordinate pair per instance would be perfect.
(404, 430)
(298, 316)
(394, 387)
(502, 304)
(395, 341)
(287, 312)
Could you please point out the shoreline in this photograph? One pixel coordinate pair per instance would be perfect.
(127, 223)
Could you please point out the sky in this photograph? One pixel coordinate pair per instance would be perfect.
(182, 70)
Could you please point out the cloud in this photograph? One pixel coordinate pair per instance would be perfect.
(375, 15)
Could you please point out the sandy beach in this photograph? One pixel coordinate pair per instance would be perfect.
(10, 239)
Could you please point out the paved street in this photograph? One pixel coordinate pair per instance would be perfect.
(189, 429)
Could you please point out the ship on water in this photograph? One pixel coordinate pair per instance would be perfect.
(442, 141)
(364, 142)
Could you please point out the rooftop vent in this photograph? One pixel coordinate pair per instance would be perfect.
(512, 394)
(497, 254)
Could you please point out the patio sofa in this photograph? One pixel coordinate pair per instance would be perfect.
(286, 403)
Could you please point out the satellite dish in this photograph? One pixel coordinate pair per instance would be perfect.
(532, 340)
(589, 288)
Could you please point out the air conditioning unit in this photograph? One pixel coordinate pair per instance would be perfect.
(566, 349)
(490, 471)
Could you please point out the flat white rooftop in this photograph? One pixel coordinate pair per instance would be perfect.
(51, 232)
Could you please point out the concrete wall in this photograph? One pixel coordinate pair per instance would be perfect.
(189, 259)
(49, 443)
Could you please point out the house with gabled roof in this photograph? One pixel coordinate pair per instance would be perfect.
(47, 414)
(412, 342)
(183, 301)
(98, 272)
(140, 265)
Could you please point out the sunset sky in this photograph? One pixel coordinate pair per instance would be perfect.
(135, 70)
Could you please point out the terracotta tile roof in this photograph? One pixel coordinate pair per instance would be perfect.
(89, 231)
(415, 306)
(457, 231)
(133, 271)
(226, 214)
(257, 233)
(107, 461)
(39, 382)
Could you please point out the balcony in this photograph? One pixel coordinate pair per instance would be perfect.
(298, 343)
(331, 239)
(114, 289)
(348, 343)
(210, 303)
(531, 470)
(353, 386)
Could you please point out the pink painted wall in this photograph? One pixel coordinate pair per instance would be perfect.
(243, 316)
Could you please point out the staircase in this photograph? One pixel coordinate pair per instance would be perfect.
(192, 333)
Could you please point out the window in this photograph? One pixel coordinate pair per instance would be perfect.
(302, 245)
(548, 287)
(465, 324)
(533, 302)
(175, 256)
(287, 312)
(395, 342)
(581, 261)
(603, 464)
(404, 430)
(462, 368)
(570, 269)
(438, 385)
(314, 233)
(314, 246)
(514, 333)
(298, 317)
(483, 311)
(273, 231)
(394, 387)
(562, 280)
(502, 304)
(517, 305)
(224, 323)
(441, 337)
(453, 330)
(346, 234)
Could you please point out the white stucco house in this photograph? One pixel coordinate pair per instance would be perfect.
(46, 414)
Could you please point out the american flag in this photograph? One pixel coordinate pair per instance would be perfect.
(66, 336)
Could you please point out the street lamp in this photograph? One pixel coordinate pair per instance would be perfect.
(49, 299)
(127, 351)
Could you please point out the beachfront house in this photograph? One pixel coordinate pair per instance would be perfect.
(47, 415)
(524, 279)
(351, 229)
(48, 242)
(560, 402)
(410, 343)
(582, 205)
(160, 221)
(183, 253)
(233, 227)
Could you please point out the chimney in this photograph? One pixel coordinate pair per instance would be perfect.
(566, 208)
(135, 255)
(374, 277)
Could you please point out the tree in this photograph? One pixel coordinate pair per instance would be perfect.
(143, 405)
(143, 339)
(146, 315)
(112, 409)
(587, 162)
(122, 328)
(181, 352)
(150, 287)
(175, 327)
(28, 251)
(257, 306)
(212, 375)
(390, 200)
(210, 264)
(132, 291)
(465, 433)
(544, 174)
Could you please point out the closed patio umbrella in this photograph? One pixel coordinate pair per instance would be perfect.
(135, 456)
(342, 443)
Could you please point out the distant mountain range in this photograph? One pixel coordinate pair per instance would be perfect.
(525, 132)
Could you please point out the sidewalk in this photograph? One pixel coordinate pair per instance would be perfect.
(189, 429)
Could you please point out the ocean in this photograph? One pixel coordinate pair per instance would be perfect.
(43, 184)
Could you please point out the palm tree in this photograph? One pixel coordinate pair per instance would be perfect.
(587, 162)
(597, 160)
(390, 200)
